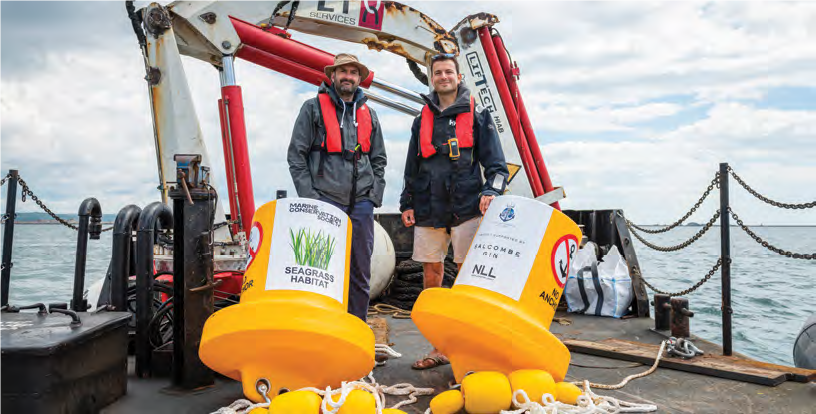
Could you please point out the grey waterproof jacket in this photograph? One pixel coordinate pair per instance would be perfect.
(336, 180)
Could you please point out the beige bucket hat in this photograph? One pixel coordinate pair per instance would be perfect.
(346, 59)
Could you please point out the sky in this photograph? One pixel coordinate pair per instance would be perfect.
(634, 104)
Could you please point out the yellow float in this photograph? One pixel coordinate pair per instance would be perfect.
(495, 317)
(291, 327)
(490, 392)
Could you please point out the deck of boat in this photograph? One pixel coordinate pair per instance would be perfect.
(672, 391)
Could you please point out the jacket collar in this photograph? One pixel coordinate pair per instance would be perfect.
(359, 96)
(461, 104)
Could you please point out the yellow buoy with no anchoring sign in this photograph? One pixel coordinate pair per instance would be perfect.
(495, 317)
(291, 327)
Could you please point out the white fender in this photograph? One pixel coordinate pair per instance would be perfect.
(383, 260)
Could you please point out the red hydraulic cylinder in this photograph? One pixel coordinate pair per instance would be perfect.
(225, 139)
(279, 64)
(276, 42)
(526, 125)
(238, 151)
(510, 109)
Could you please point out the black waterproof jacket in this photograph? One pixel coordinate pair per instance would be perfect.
(443, 192)
(335, 183)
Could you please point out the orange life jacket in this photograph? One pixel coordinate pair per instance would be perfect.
(334, 139)
(464, 130)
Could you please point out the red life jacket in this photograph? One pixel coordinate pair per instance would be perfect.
(464, 130)
(334, 139)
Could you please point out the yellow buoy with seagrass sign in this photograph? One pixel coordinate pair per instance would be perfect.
(495, 317)
(291, 327)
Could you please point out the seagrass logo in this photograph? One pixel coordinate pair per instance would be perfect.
(312, 249)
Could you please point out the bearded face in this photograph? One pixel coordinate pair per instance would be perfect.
(346, 79)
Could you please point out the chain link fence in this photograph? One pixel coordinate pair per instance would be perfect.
(682, 245)
(3, 181)
(26, 192)
(715, 182)
(767, 245)
(686, 291)
(753, 192)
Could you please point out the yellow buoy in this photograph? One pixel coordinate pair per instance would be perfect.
(296, 402)
(567, 393)
(392, 411)
(357, 402)
(534, 382)
(259, 410)
(291, 327)
(448, 402)
(495, 318)
(486, 392)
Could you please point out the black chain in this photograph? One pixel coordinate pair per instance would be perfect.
(3, 181)
(419, 74)
(680, 246)
(687, 291)
(714, 183)
(278, 7)
(768, 200)
(27, 192)
(767, 245)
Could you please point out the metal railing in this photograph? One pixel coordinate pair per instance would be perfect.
(723, 214)
(89, 226)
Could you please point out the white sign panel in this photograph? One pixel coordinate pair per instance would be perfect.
(308, 248)
(482, 84)
(505, 246)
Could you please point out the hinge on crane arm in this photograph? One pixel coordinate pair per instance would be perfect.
(557, 194)
(479, 20)
(156, 20)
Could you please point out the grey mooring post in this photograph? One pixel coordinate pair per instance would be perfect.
(8, 235)
(193, 213)
(725, 256)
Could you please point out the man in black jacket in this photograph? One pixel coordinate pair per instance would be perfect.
(337, 155)
(444, 195)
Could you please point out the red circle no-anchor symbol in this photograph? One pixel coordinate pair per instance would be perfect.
(255, 241)
(562, 254)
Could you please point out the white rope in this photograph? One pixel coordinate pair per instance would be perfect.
(588, 403)
(329, 406)
(385, 349)
(631, 377)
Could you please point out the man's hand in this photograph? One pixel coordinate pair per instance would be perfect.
(485, 203)
(408, 218)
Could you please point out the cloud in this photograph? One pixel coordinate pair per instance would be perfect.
(646, 98)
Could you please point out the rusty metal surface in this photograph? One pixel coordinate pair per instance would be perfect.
(662, 312)
(204, 28)
(680, 318)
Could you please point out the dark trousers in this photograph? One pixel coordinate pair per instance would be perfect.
(362, 246)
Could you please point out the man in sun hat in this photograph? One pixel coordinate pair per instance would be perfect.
(337, 155)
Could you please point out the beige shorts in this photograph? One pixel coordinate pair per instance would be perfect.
(431, 244)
